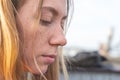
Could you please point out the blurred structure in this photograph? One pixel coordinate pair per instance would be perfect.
(93, 65)
(86, 59)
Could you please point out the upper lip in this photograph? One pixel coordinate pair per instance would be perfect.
(51, 56)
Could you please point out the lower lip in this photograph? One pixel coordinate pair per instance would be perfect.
(48, 60)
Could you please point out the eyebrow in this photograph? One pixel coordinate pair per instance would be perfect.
(54, 11)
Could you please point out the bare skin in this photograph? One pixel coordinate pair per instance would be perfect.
(42, 40)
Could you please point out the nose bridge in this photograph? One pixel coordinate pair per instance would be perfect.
(58, 37)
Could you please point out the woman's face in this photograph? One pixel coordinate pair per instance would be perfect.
(41, 39)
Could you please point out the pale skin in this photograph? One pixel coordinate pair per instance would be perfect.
(42, 39)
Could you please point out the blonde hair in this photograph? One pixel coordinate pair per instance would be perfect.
(9, 40)
(10, 45)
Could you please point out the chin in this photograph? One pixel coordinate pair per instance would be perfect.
(42, 69)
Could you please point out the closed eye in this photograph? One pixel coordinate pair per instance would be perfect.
(63, 22)
(45, 22)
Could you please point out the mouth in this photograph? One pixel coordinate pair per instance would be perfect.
(49, 59)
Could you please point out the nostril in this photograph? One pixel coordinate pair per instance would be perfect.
(64, 42)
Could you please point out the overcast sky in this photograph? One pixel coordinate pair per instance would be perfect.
(91, 23)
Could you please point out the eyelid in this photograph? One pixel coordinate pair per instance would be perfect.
(46, 18)
(46, 15)
(45, 22)
(63, 21)
(65, 17)
(46, 11)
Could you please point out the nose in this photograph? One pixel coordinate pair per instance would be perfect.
(58, 38)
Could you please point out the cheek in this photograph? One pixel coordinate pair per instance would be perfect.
(29, 40)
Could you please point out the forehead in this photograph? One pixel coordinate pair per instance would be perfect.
(59, 5)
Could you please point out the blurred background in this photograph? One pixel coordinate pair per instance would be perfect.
(93, 47)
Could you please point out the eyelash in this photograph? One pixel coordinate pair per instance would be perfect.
(62, 24)
(45, 22)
